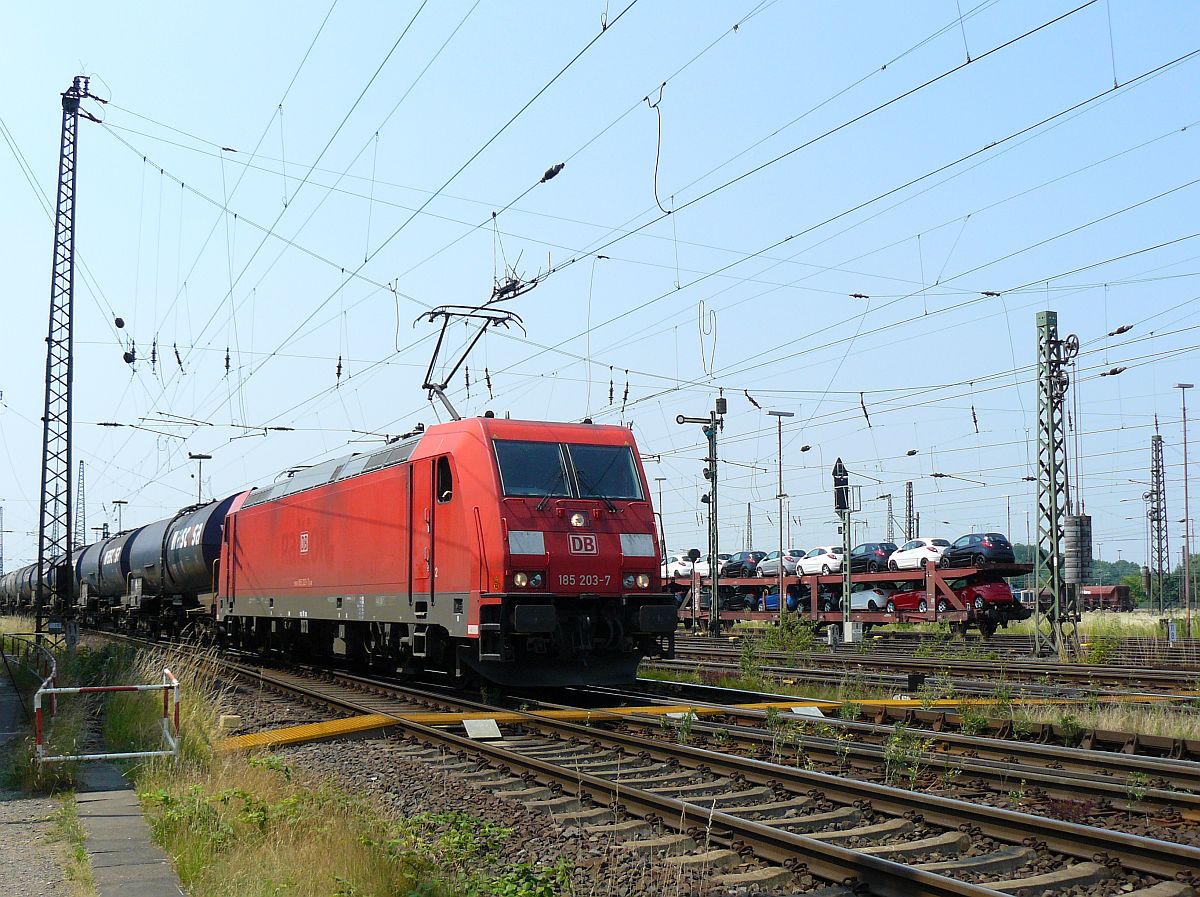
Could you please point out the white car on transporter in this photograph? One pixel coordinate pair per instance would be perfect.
(675, 566)
(769, 566)
(823, 559)
(917, 554)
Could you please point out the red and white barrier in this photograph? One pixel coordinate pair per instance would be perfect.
(170, 718)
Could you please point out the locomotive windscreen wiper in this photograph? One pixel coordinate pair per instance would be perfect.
(558, 478)
(593, 492)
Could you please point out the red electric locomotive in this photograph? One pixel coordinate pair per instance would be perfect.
(521, 551)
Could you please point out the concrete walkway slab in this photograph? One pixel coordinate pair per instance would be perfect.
(125, 861)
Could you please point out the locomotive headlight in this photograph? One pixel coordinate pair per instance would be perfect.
(628, 581)
(579, 519)
(520, 580)
(643, 580)
(536, 580)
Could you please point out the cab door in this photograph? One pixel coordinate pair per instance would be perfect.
(421, 526)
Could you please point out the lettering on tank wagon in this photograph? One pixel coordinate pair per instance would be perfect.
(581, 543)
(187, 537)
(304, 543)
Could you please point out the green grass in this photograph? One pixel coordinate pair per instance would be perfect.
(69, 833)
(16, 624)
(239, 826)
(1106, 624)
(253, 827)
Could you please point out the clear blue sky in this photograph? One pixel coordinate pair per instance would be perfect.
(342, 167)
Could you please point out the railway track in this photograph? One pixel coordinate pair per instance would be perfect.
(1136, 794)
(757, 823)
(1035, 673)
(1175, 774)
(1128, 651)
(942, 719)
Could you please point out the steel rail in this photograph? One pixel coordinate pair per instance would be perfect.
(1180, 773)
(799, 853)
(1135, 852)
(1160, 858)
(997, 774)
(1081, 673)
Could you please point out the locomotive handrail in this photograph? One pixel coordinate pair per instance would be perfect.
(170, 719)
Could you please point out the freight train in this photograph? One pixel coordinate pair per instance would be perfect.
(523, 553)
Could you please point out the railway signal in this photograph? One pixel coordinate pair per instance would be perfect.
(711, 424)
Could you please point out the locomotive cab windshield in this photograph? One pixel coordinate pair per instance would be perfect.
(568, 470)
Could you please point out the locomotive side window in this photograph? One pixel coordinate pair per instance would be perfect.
(445, 480)
(605, 471)
(532, 468)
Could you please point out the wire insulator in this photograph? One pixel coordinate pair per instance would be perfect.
(552, 171)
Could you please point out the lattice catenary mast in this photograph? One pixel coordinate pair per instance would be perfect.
(1160, 557)
(79, 537)
(54, 517)
(910, 531)
(1057, 629)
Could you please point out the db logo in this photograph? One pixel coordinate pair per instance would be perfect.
(581, 543)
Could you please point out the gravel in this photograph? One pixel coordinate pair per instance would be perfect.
(29, 866)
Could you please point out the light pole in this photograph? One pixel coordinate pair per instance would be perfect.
(119, 504)
(889, 526)
(779, 416)
(198, 456)
(1187, 528)
(662, 522)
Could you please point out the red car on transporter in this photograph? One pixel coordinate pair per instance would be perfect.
(980, 595)
(522, 551)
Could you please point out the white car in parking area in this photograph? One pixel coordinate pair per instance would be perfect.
(917, 554)
(769, 566)
(823, 559)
